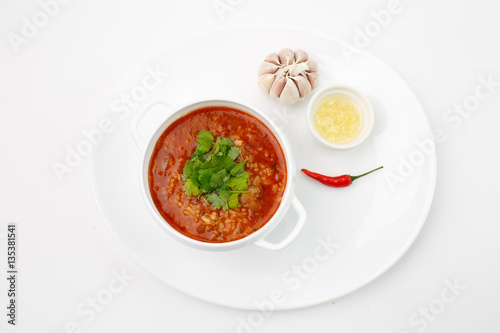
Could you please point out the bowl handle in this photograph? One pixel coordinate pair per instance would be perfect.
(295, 232)
(147, 120)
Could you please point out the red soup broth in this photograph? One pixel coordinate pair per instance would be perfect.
(191, 215)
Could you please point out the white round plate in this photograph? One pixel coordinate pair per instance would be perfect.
(352, 234)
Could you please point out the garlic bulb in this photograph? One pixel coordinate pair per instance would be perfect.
(287, 75)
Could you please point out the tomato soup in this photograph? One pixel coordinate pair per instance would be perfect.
(194, 217)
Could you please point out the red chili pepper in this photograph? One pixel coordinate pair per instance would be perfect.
(339, 181)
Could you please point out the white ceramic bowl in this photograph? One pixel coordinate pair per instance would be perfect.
(258, 237)
(359, 99)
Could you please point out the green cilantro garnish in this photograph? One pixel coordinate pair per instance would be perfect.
(212, 173)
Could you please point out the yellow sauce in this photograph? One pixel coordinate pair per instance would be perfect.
(337, 119)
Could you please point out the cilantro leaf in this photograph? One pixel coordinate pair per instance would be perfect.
(194, 178)
(205, 141)
(224, 194)
(206, 135)
(238, 183)
(203, 147)
(190, 188)
(211, 162)
(197, 161)
(238, 168)
(215, 200)
(233, 153)
(227, 164)
(222, 145)
(218, 163)
(224, 141)
(218, 178)
(188, 169)
(205, 176)
(233, 200)
(224, 187)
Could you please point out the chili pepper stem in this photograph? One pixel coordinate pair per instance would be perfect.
(366, 173)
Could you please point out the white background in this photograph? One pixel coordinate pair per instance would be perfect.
(53, 87)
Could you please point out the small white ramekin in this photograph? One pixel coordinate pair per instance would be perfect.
(359, 99)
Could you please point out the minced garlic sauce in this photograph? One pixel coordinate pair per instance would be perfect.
(337, 119)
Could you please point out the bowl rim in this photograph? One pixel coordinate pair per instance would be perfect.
(365, 107)
(286, 198)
